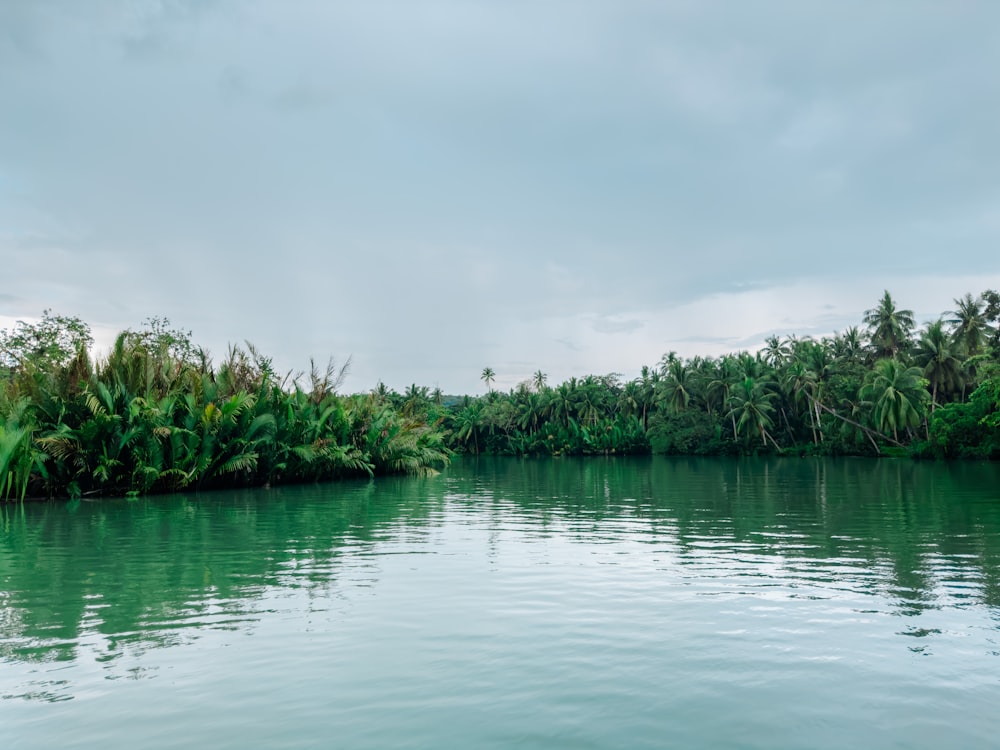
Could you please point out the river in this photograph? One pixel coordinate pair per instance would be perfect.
(558, 603)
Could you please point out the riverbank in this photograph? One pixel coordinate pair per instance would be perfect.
(157, 415)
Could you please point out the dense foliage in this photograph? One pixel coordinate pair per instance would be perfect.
(155, 416)
(883, 387)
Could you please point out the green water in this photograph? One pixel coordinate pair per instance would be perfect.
(630, 603)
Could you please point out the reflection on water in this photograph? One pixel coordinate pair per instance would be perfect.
(157, 571)
(827, 558)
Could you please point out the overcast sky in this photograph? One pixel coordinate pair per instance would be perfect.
(436, 187)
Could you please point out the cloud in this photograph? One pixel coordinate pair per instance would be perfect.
(616, 324)
(437, 186)
(300, 97)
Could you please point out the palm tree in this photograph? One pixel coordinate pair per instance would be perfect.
(466, 424)
(969, 321)
(529, 413)
(416, 400)
(936, 353)
(847, 345)
(538, 380)
(631, 398)
(561, 406)
(590, 404)
(777, 352)
(649, 379)
(752, 408)
(991, 301)
(888, 328)
(676, 386)
(722, 385)
(488, 377)
(380, 392)
(801, 384)
(898, 395)
(815, 360)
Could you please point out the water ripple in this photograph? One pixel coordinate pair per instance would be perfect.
(561, 604)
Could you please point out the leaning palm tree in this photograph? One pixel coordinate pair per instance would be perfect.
(888, 327)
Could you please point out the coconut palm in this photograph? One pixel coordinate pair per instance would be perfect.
(649, 379)
(888, 327)
(991, 312)
(630, 399)
(562, 403)
(466, 425)
(381, 392)
(847, 346)
(937, 354)
(416, 400)
(538, 380)
(801, 385)
(676, 387)
(753, 409)
(777, 352)
(720, 388)
(529, 412)
(488, 376)
(969, 320)
(590, 404)
(898, 395)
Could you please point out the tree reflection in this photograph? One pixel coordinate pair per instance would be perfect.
(123, 577)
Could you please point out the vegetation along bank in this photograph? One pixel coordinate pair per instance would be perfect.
(157, 415)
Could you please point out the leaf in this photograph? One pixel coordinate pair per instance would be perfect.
(242, 462)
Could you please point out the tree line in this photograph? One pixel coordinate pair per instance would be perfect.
(881, 387)
(157, 415)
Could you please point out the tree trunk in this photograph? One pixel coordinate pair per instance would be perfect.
(869, 432)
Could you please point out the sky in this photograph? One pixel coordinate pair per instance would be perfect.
(434, 187)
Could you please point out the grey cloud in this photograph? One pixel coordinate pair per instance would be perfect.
(572, 345)
(301, 98)
(234, 82)
(616, 325)
(360, 177)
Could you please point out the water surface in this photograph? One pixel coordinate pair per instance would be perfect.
(621, 603)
